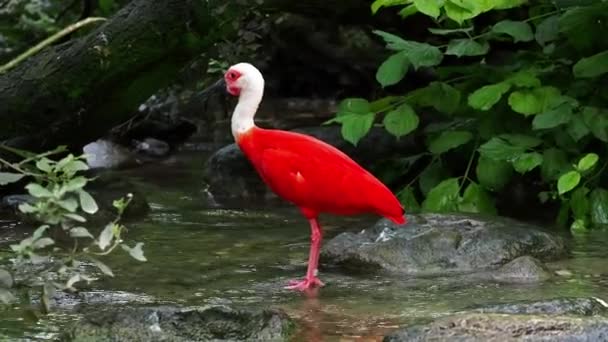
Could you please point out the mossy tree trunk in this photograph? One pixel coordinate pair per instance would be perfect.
(74, 92)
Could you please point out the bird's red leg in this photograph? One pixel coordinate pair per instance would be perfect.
(311, 279)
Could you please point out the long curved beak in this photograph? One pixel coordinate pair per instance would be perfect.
(215, 88)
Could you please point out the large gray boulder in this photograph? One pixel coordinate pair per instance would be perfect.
(169, 323)
(503, 327)
(556, 306)
(444, 244)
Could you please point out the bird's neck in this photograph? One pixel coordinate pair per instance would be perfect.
(244, 112)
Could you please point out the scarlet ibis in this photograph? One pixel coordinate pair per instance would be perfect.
(313, 175)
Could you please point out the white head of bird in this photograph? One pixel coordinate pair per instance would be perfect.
(245, 81)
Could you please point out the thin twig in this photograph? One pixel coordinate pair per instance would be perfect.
(48, 41)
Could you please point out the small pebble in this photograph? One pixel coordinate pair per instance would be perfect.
(563, 273)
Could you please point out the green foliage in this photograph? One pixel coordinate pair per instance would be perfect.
(61, 203)
(535, 86)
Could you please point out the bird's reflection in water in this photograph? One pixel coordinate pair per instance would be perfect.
(311, 307)
(314, 319)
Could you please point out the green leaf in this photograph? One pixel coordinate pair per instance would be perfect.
(408, 10)
(39, 232)
(578, 225)
(580, 203)
(408, 199)
(430, 177)
(553, 117)
(577, 129)
(44, 164)
(42, 243)
(354, 106)
(583, 26)
(80, 232)
(487, 96)
(597, 121)
(401, 121)
(136, 252)
(476, 200)
(519, 30)
(467, 47)
(75, 217)
(68, 204)
(527, 162)
(87, 202)
(356, 126)
(587, 162)
(568, 181)
(432, 8)
(524, 79)
(548, 30)
(592, 66)
(506, 4)
(443, 97)
(27, 208)
(444, 32)
(106, 236)
(7, 177)
(76, 183)
(599, 206)
(376, 5)
(555, 161)
(493, 174)
(498, 148)
(459, 10)
(449, 140)
(424, 55)
(63, 162)
(419, 54)
(75, 166)
(530, 102)
(392, 70)
(444, 197)
(521, 140)
(102, 267)
(38, 190)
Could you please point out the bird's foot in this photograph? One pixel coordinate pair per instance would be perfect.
(305, 284)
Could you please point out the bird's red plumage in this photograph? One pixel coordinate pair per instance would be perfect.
(316, 176)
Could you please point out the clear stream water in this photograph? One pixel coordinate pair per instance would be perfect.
(199, 254)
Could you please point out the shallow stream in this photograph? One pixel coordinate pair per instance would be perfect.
(199, 254)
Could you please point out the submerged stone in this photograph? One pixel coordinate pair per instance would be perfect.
(524, 269)
(440, 244)
(169, 323)
(502, 327)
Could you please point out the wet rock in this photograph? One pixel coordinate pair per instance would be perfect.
(230, 175)
(501, 327)
(557, 306)
(70, 300)
(524, 269)
(168, 323)
(440, 244)
(152, 147)
(107, 188)
(105, 154)
(13, 201)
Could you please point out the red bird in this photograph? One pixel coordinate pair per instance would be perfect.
(313, 175)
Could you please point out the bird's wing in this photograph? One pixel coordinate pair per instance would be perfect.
(311, 173)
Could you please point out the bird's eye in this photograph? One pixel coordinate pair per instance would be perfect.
(232, 75)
